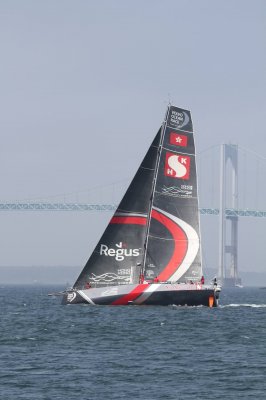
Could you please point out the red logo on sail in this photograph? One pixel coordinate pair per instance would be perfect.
(177, 166)
(178, 140)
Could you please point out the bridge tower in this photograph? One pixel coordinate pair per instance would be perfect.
(228, 226)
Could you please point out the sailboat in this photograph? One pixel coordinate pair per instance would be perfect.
(150, 252)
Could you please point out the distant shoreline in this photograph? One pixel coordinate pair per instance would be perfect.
(66, 275)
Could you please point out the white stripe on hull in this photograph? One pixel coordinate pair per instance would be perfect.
(85, 297)
(147, 293)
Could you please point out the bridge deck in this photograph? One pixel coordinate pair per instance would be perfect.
(229, 212)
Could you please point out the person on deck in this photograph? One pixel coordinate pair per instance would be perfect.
(142, 280)
(156, 280)
(202, 280)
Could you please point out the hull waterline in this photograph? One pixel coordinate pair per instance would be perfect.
(146, 294)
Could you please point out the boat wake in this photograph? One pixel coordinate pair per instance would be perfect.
(243, 305)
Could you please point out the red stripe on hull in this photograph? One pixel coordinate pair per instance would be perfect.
(124, 300)
(180, 248)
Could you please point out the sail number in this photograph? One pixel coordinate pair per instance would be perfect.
(187, 187)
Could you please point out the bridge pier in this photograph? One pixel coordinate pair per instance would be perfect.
(228, 276)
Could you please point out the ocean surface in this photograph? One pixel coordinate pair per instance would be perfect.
(55, 352)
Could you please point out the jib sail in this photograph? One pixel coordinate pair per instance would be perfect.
(118, 256)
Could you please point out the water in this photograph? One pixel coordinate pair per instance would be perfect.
(49, 351)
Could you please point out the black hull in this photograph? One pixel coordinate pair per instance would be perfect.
(161, 297)
(183, 298)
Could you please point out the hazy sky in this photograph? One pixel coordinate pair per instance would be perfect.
(84, 88)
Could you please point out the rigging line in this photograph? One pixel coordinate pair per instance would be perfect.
(149, 169)
(204, 258)
(244, 181)
(167, 239)
(212, 178)
(209, 148)
(252, 152)
(74, 193)
(257, 181)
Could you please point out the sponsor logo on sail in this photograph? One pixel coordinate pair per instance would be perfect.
(108, 277)
(177, 166)
(123, 271)
(178, 119)
(120, 252)
(184, 191)
(178, 140)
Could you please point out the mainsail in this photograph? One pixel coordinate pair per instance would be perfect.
(155, 229)
(173, 244)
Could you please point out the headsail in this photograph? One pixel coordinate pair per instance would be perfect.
(118, 256)
(173, 242)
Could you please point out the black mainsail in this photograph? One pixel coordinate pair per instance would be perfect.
(150, 252)
(174, 223)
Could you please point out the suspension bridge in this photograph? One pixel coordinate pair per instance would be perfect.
(30, 206)
(220, 186)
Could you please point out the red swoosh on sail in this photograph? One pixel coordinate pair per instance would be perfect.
(138, 290)
(180, 247)
(129, 220)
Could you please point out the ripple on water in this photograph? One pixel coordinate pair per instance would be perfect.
(49, 351)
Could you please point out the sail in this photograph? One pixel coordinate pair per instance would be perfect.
(173, 242)
(117, 258)
(155, 229)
